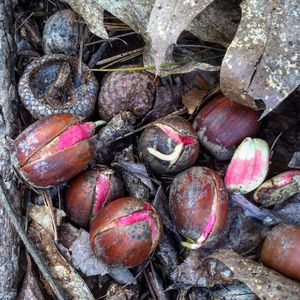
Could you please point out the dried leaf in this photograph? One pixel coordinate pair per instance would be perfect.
(167, 100)
(289, 213)
(84, 259)
(95, 13)
(216, 23)
(263, 61)
(140, 171)
(167, 20)
(193, 98)
(295, 161)
(41, 215)
(73, 285)
(265, 283)
(136, 14)
(117, 292)
(30, 289)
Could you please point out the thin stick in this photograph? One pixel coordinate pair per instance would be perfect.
(29, 246)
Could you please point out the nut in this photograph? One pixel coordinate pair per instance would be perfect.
(222, 124)
(127, 91)
(61, 33)
(169, 146)
(125, 232)
(51, 84)
(281, 250)
(198, 204)
(53, 150)
(89, 192)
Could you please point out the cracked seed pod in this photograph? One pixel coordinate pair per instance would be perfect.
(278, 189)
(248, 167)
(132, 91)
(61, 33)
(281, 250)
(222, 125)
(51, 84)
(89, 192)
(169, 145)
(125, 232)
(53, 150)
(198, 204)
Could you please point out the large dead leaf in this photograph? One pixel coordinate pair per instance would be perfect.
(144, 17)
(265, 283)
(263, 61)
(217, 23)
(167, 20)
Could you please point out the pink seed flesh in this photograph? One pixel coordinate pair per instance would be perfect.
(139, 216)
(209, 225)
(74, 134)
(241, 171)
(101, 192)
(287, 177)
(176, 136)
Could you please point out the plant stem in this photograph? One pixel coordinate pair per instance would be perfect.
(251, 210)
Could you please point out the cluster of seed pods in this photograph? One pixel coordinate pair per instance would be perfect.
(124, 231)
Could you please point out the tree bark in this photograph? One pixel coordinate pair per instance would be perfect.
(9, 242)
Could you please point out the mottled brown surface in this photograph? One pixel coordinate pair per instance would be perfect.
(190, 202)
(39, 134)
(281, 250)
(80, 196)
(125, 246)
(127, 91)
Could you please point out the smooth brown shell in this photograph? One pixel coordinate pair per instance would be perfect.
(56, 167)
(222, 124)
(154, 137)
(125, 246)
(190, 201)
(281, 250)
(80, 196)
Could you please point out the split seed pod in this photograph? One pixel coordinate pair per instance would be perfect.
(248, 167)
(89, 192)
(53, 150)
(198, 204)
(169, 145)
(125, 232)
(278, 189)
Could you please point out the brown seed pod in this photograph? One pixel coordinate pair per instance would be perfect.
(61, 33)
(281, 250)
(222, 124)
(125, 232)
(198, 204)
(53, 150)
(89, 192)
(127, 91)
(52, 84)
(169, 145)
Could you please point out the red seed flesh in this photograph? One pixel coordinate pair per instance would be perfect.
(139, 216)
(209, 225)
(175, 135)
(75, 134)
(101, 192)
(235, 177)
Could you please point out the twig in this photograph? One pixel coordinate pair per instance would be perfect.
(29, 246)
